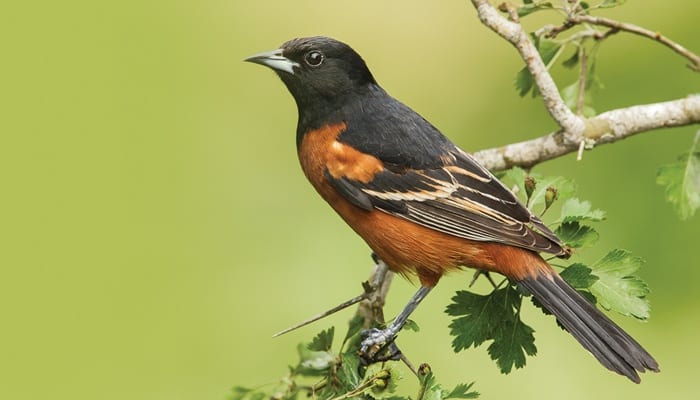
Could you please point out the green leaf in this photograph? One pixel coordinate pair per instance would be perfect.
(462, 391)
(354, 326)
(388, 377)
(313, 363)
(348, 373)
(238, 393)
(617, 287)
(571, 61)
(531, 7)
(523, 82)
(323, 341)
(547, 48)
(579, 276)
(611, 3)
(496, 317)
(430, 390)
(515, 177)
(682, 181)
(570, 96)
(510, 344)
(411, 325)
(576, 235)
(564, 186)
(574, 209)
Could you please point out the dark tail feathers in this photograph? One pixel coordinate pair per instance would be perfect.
(612, 346)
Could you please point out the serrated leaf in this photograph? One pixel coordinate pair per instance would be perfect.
(579, 276)
(462, 391)
(576, 235)
(682, 181)
(617, 287)
(479, 315)
(510, 344)
(492, 317)
(434, 391)
(323, 341)
(574, 209)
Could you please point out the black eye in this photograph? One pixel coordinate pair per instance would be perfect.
(314, 58)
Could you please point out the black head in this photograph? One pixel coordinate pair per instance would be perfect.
(318, 71)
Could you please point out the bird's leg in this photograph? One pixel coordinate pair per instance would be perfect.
(485, 273)
(375, 340)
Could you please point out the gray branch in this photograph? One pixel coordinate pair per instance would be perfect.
(514, 33)
(576, 132)
(607, 127)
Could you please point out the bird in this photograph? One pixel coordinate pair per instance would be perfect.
(422, 204)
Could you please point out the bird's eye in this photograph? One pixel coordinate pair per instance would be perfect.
(314, 58)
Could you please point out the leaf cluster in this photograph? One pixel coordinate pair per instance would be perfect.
(682, 181)
(582, 44)
(611, 282)
(325, 374)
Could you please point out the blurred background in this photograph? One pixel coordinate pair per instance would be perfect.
(157, 230)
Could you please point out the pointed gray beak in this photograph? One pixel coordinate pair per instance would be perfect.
(275, 60)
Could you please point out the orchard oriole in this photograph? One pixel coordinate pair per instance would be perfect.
(423, 205)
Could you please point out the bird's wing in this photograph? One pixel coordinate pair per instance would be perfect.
(460, 198)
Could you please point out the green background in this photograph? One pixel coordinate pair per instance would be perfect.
(156, 228)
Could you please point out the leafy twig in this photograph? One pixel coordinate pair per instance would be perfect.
(516, 35)
(638, 30)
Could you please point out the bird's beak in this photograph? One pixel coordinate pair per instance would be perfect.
(275, 60)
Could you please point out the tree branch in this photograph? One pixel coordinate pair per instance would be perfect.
(638, 30)
(576, 132)
(607, 127)
(515, 34)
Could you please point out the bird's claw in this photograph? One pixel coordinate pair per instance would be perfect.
(377, 346)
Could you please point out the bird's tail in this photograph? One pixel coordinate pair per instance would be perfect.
(612, 346)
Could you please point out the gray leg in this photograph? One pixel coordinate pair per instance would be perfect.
(376, 339)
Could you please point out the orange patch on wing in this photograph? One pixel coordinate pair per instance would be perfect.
(345, 161)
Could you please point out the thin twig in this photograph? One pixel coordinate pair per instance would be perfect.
(371, 308)
(582, 79)
(324, 314)
(638, 30)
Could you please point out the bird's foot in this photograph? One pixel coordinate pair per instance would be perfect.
(378, 345)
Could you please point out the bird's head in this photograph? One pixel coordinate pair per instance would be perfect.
(317, 69)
